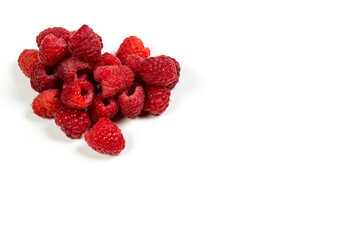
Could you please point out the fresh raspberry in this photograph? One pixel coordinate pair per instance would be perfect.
(178, 68)
(113, 79)
(73, 69)
(105, 137)
(47, 103)
(85, 44)
(27, 60)
(52, 50)
(43, 78)
(79, 94)
(103, 107)
(157, 100)
(131, 101)
(107, 59)
(160, 71)
(73, 122)
(133, 62)
(132, 46)
(57, 31)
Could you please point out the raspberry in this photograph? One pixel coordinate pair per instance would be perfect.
(73, 122)
(52, 50)
(113, 79)
(160, 71)
(131, 101)
(133, 62)
(107, 59)
(85, 44)
(157, 100)
(105, 137)
(73, 69)
(103, 107)
(78, 94)
(132, 46)
(43, 78)
(57, 31)
(27, 60)
(178, 68)
(47, 103)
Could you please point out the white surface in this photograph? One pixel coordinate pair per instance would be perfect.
(261, 139)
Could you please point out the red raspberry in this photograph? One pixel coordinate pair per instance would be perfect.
(105, 137)
(27, 60)
(103, 107)
(73, 122)
(85, 44)
(47, 103)
(133, 62)
(107, 59)
(157, 100)
(132, 46)
(79, 94)
(57, 31)
(160, 71)
(178, 68)
(113, 79)
(52, 50)
(73, 69)
(131, 101)
(43, 78)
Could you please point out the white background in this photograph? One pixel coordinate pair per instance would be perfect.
(261, 139)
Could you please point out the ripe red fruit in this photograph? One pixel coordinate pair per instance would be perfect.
(132, 46)
(131, 101)
(159, 71)
(47, 103)
(105, 137)
(178, 69)
(103, 107)
(73, 122)
(43, 78)
(52, 50)
(73, 69)
(85, 44)
(133, 62)
(113, 79)
(57, 31)
(79, 94)
(157, 100)
(107, 59)
(27, 60)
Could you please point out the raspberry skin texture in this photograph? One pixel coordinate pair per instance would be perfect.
(113, 79)
(103, 108)
(59, 32)
(79, 94)
(133, 62)
(178, 69)
(85, 44)
(107, 59)
(159, 71)
(105, 137)
(47, 103)
(52, 50)
(27, 60)
(73, 69)
(73, 122)
(131, 101)
(132, 46)
(157, 100)
(43, 78)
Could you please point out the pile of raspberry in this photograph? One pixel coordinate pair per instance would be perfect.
(86, 91)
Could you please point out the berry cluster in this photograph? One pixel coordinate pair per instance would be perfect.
(84, 89)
